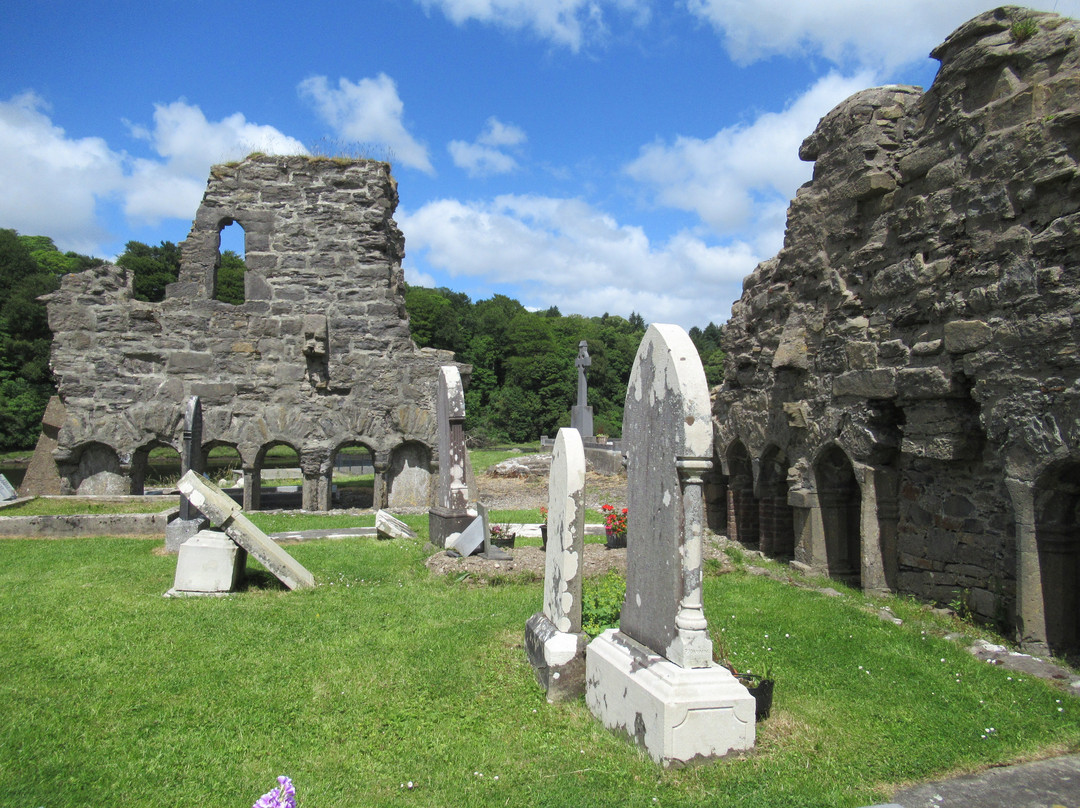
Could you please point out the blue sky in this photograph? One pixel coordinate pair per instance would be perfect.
(597, 155)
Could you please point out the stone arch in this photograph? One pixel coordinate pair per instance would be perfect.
(408, 480)
(715, 493)
(840, 500)
(141, 467)
(222, 461)
(94, 468)
(267, 499)
(1057, 539)
(742, 504)
(354, 464)
(776, 520)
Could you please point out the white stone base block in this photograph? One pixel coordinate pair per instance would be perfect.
(210, 563)
(557, 657)
(679, 715)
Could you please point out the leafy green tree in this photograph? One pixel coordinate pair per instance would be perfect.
(152, 268)
(230, 279)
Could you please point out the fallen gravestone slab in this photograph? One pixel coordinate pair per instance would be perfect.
(390, 527)
(219, 507)
(7, 493)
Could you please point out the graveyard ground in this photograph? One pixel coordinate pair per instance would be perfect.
(386, 675)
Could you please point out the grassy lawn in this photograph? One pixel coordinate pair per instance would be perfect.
(383, 675)
(57, 506)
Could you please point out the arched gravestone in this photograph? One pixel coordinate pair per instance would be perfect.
(553, 638)
(654, 678)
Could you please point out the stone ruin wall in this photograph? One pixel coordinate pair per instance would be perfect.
(902, 395)
(317, 357)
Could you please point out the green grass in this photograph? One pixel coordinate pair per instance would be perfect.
(55, 506)
(383, 674)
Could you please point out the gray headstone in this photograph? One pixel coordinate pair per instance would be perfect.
(668, 430)
(453, 493)
(450, 512)
(7, 492)
(566, 532)
(192, 456)
(221, 509)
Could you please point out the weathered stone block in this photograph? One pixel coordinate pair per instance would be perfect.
(880, 383)
(962, 336)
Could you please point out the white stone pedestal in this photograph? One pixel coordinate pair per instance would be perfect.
(679, 715)
(210, 563)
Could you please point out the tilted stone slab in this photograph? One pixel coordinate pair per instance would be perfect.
(223, 511)
(390, 527)
(7, 492)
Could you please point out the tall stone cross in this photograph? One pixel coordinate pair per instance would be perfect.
(581, 416)
(450, 513)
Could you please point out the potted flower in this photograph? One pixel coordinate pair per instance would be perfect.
(760, 686)
(543, 527)
(502, 536)
(614, 525)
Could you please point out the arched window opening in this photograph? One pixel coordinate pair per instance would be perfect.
(776, 520)
(229, 278)
(281, 482)
(742, 504)
(225, 467)
(155, 470)
(841, 512)
(409, 477)
(1057, 535)
(352, 476)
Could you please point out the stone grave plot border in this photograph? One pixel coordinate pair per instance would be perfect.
(223, 511)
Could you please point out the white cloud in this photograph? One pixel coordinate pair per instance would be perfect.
(190, 144)
(51, 183)
(877, 34)
(741, 179)
(570, 23)
(567, 253)
(367, 112)
(485, 156)
(55, 185)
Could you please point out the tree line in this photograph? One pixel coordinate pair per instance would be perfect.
(523, 382)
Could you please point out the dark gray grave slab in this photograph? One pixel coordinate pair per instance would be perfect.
(450, 512)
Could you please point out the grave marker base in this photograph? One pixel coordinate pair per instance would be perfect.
(210, 563)
(557, 658)
(678, 715)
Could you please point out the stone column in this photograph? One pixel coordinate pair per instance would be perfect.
(381, 493)
(1030, 606)
(695, 647)
(310, 469)
(872, 572)
(252, 488)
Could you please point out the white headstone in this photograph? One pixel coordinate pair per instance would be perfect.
(654, 678)
(471, 538)
(7, 492)
(553, 639)
(389, 526)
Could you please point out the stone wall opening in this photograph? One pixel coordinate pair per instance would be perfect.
(776, 523)
(840, 498)
(278, 477)
(1057, 534)
(353, 467)
(742, 504)
(94, 469)
(230, 267)
(155, 466)
(716, 497)
(223, 464)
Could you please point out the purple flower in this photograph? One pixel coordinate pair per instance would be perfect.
(284, 796)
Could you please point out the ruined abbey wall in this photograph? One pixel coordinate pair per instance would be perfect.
(317, 357)
(902, 398)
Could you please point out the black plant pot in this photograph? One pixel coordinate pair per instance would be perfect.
(762, 691)
(615, 540)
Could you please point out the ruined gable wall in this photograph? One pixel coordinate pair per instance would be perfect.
(920, 314)
(318, 354)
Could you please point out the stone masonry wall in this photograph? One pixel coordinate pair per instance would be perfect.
(921, 318)
(318, 355)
